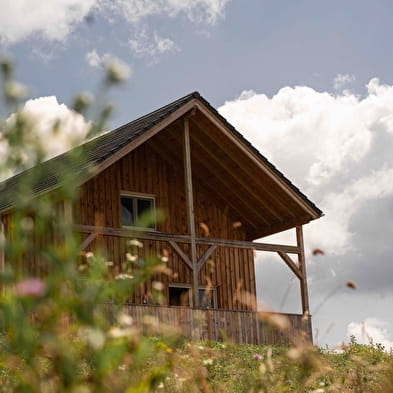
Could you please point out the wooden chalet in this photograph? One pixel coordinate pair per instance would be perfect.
(219, 195)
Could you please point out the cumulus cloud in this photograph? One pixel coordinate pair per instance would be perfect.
(144, 46)
(371, 330)
(332, 146)
(341, 80)
(52, 20)
(53, 128)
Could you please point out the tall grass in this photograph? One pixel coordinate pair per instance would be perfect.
(55, 337)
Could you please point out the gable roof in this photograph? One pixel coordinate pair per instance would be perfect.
(102, 150)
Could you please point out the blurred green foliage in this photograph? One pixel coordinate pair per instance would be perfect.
(57, 334)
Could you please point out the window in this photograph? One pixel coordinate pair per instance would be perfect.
(207, 298)
(136, 206)
(179, 296)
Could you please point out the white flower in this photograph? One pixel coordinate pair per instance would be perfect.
(94, 337)
(207, 362)
(123, 276)
(131, 258)
(135, 242)
(125, 319)
(117, 70)
(116, 332)
(158, 285)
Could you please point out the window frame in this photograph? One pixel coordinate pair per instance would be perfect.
(189, 288)
(136, 196)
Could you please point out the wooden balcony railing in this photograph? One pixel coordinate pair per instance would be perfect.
(242, 327)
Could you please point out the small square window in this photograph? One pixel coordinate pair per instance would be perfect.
(179, 296)
(207, 298)
(133, 207)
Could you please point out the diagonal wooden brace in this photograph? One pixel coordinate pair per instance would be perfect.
(205, 256)
(292, 265)
(181, 253)
(87, 241)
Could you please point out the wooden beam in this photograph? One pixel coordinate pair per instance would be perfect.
(88, 240)
(202, 143)
(302, 267)
(68, 214)
(168, 153)
(159, 236)
(292, 265)
(2, 252)
(190, 209)
(287, 223)
(181, 253)
(206, 256)
(263, 166)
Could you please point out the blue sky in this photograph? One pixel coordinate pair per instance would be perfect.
(310, 83)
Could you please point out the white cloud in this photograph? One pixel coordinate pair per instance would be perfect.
(341, 80)
(371, 329)
(340, 206)
(52, 20)
(93, 59)
(53, 128)
(197, 11)
(144, 46)
(330, 146)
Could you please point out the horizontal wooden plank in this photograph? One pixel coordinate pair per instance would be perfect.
(146, 235)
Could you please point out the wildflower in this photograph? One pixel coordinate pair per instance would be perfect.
(236, 224)
(15, 90)
(204, 228)
(351, 284)
(31, 287)
(89, 255)
(318, 251)
(117, 71)
(124, 319)
(257, 356)
(160, 385)
(136, 243)
(207, 362)
(124, 276)
(158, 285)
(130, 257)
(116, 332)
(94, 337)
(262, 368)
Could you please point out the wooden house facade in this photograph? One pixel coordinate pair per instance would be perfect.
(217, 194)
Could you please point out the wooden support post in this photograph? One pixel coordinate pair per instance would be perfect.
(68, 214)
(2, 252)
(190, 209)
(302, 268)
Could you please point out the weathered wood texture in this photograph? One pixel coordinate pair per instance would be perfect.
(230, 271)
(31, 239)
(245, 327)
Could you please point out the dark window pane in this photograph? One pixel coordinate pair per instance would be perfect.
(179, 296)
(127, 211)
(206, 298)
(145, 206)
